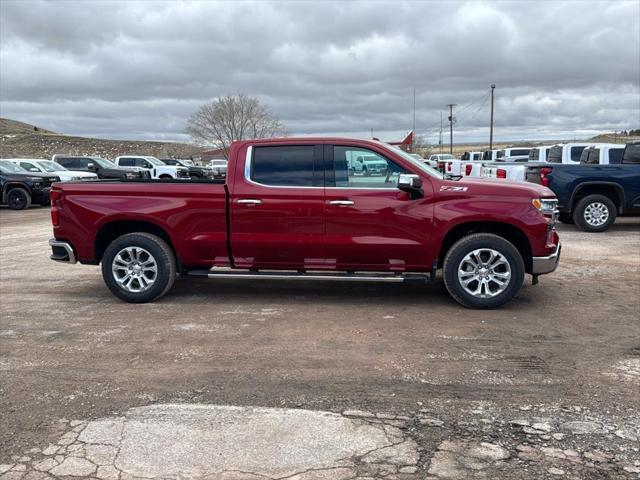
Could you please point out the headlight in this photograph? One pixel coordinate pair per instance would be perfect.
(548, 206)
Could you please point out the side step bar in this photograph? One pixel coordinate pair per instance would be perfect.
(327, 276)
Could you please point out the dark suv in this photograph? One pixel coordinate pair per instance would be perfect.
(20, 188)
(100, 166)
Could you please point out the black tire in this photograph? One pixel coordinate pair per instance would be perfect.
(591, 202)
(18, 198)
(165, 177)
(163, 256)
(466, 245)
(566, 217)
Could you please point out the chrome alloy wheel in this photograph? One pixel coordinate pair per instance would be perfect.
(134, 269)
(484, 273)
(596, 214)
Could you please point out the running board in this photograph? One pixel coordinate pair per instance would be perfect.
(292, 275)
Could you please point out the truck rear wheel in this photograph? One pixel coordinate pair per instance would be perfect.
(139, 267)
(483, 271)
(18, 199)
(595, 213)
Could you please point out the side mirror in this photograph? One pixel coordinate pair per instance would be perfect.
(146, 165)
(92, 167)
(411, 184)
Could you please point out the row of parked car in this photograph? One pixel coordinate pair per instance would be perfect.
(594, 182)
(27, 180)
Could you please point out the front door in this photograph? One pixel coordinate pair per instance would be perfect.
(370, 223)
(277, 208)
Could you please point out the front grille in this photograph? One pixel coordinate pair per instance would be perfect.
(183, 173)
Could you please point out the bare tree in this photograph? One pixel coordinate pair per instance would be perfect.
(231, 118)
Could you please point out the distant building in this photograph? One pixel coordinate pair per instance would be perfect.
(212, 154)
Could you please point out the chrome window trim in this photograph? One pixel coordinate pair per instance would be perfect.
(247, 176)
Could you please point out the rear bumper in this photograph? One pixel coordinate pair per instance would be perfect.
(548, 264)
(62, 251)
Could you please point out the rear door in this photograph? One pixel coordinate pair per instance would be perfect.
(370, 223)
(277, 207)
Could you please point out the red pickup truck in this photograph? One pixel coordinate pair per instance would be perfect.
(299, 208)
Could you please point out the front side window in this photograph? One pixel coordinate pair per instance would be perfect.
(534, 155)
(356, 167)
(29, 167)
(286, 166)
(590, 156)
(520, 151)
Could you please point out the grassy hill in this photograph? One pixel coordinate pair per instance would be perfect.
(22, 140)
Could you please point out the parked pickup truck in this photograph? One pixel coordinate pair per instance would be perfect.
(593, 196)
(289, 209)
(18, 187)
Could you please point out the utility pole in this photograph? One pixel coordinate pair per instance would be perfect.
(371, 132)
(451, 119)
(440, 137)
(414, 121)
(493, 87)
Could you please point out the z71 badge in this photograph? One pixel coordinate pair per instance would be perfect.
(452, 188)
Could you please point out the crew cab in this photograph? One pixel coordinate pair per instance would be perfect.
(102, 167)
(155, 167)
(569, 153)
(19, 188)
(471, 156)
(292, 209)
(39, 165)
(593, 195)
(194, 171)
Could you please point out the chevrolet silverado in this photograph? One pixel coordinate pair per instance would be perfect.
(293, 209)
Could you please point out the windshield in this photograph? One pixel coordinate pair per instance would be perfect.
(421, 165)
(103, 162)
(8, 167)
(50, 166)
(154, 161)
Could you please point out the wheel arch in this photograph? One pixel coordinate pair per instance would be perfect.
(116, 228)
(507, 231)
(611, 190)
(11, 185)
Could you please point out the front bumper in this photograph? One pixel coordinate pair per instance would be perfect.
(62, 251)
(548, 264)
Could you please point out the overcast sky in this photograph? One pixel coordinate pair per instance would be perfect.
(138, 70)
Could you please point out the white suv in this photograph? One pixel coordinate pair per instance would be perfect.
(40, 165)
(156, 168)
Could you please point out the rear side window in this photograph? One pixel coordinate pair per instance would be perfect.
(126, 162)
(632, 153)
(576, 152)
(290, 166)
(68, 162)
(555, 155)
(615, 155)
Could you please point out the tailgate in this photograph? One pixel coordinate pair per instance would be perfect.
(532, 174)
(489, 172)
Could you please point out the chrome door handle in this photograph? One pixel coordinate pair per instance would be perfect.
(341, 202)
(249, 201)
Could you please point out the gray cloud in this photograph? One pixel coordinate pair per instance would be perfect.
(137, 70)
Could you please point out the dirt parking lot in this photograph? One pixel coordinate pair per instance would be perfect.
(546, 387)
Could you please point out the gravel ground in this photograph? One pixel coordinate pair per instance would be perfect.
(546, 387)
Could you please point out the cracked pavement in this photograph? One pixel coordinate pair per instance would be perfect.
(255, 380)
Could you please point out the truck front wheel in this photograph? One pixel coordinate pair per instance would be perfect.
(18, 199)
(139, 267)
(595, 213)
(483, 271)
